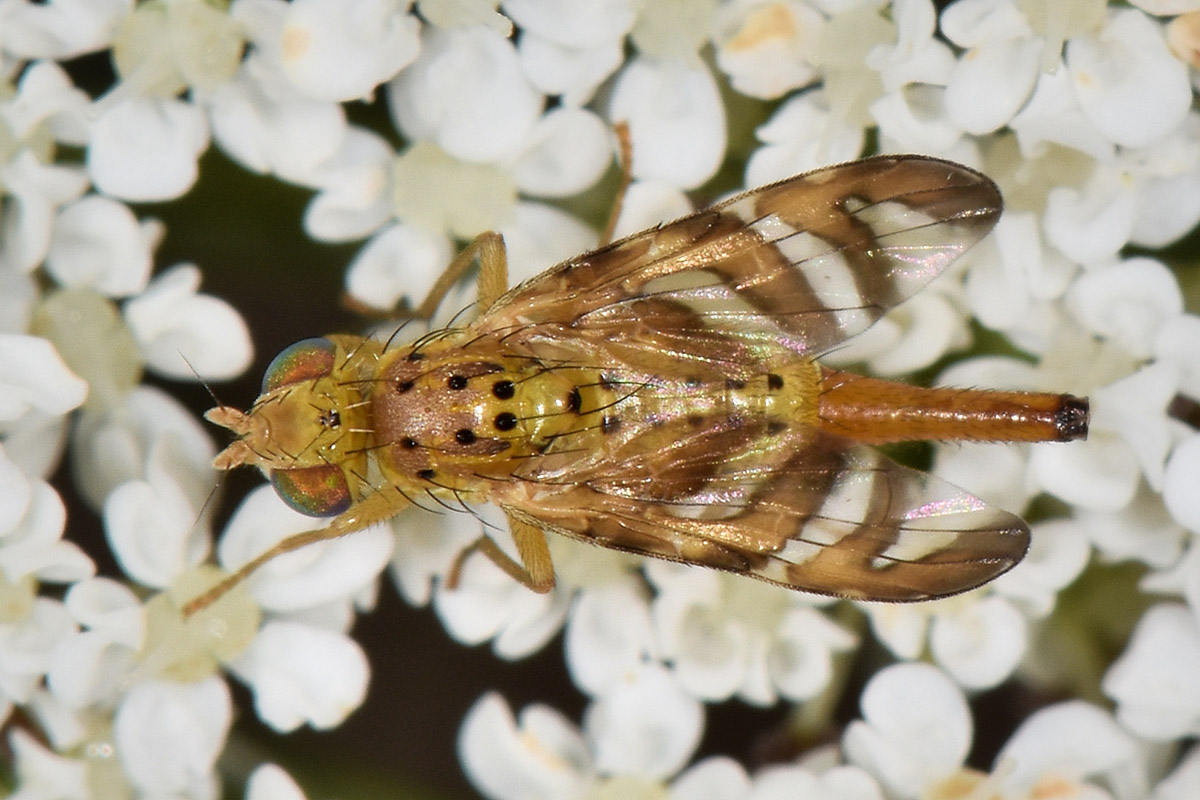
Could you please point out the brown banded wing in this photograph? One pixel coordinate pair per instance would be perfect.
(800, 508)
(771, 277)
(804, 263)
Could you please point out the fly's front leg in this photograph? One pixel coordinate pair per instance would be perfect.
(378, 507)
(488, 247)
(535, 570)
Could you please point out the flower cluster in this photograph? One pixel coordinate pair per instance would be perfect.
(1081, 111)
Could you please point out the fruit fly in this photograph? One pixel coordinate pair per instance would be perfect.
(660, 395)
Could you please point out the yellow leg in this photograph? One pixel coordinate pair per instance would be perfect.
(493, 273)
(625, 161)
(536, 570)
(489, 248)
(378, 507)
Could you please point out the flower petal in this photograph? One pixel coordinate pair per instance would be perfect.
(646, 726)
(676, 120)
(301, 674)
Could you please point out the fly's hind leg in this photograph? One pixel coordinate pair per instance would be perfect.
(378, 507)
(534, 571)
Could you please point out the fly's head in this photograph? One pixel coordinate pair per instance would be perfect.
(307, 431)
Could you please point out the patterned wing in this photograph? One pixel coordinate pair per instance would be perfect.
(796, 507)
(801, 264)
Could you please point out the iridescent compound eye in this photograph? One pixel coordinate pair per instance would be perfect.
(319, 491)
(305, 360)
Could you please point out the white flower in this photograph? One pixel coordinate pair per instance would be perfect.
(648, 203)
(550, 165)
(482, 136)
(768, 48)
(915, 57)
(914, 69)
(914, 121)
(646, 726)
(996, 75)
(724, 634)
(676, 120)
(1058, 553)
(30, 634)
(287, 663)
(1184, 780)
(642, 731)
(151, 522)
(1013, 291)
(721, 778)
(572, 73)
(303, 674)
(45, 106)
(1142, 531)
(329, 572)
(1100, 474)
(97, 242)
(184, 334)
(272, 782)
(92, 667)
(337, 50)
(35, 379)
(143, 141)
(1127, 81)
(541, 755)
(128, 437)
(464, 14)
(1134, 407)
(978, 638)
(1128, 301)
(673, 31)
(32, 520)
(980, 645)
(466, 82)
(60, 30)
(571, 23)
(1091, 223)
(426, 547)
(1174, 346)
(1152, 682)
(609, 632)
(144, 150)
(916, 729)
(801, 135)
(489, 604)
(1179, 482)
(265, 123)
(569, 49)
(910, 337)
(43, 773)
(427, 192)
(1053, 116)
(168, 736)
(1068, 749)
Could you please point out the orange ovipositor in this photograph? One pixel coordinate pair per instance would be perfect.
(878, 411)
